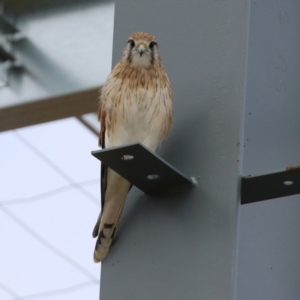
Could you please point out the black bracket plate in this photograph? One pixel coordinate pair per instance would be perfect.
(143, 168)
(270, 186)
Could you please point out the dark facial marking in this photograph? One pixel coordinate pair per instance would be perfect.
(131, 43)
(152, 44)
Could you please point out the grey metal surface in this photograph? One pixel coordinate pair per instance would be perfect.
(143, 168)
(270, 186)
(182, 245)
(269, 243)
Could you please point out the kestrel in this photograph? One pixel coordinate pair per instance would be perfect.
(135, 106)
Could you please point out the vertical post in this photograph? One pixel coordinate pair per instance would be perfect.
(182, 245)
(269, 244)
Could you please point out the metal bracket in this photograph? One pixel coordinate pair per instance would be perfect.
(270, 186)
(143, 168)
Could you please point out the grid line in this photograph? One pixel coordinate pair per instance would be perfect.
(55, 167)
(47, 244)
(57, 292)
(41, 196)
(9, 291)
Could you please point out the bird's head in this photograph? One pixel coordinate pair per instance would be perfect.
(141, 50)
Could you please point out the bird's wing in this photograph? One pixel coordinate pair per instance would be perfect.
(101, 118)
(114, 189)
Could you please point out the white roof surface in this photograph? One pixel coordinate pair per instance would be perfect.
(49, 202)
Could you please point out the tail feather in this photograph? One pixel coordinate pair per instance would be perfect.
(97, 226)
(105, 237)
(109, 219)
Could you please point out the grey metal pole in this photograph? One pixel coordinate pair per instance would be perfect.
(269, 243)
(182, 245)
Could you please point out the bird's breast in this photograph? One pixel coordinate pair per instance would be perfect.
(138, 108)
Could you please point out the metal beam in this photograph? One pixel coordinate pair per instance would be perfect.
(90, 121)
(182, 245)
(45, 110)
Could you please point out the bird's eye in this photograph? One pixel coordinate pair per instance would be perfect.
(152, 44)
(131, 43)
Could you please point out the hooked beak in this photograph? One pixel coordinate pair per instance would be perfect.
(141, 48)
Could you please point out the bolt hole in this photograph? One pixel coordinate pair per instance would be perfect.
(288, 183)
(153, 176)
(127, 157)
